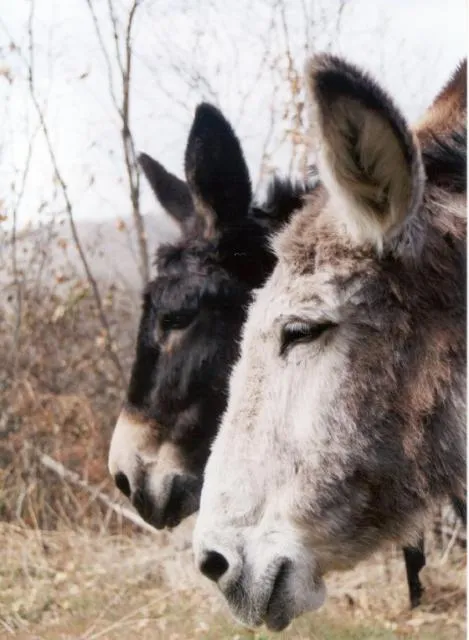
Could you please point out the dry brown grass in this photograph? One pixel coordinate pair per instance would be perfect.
(60, 392)
(76, 584)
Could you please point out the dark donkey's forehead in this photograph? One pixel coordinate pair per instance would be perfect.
(187, 257)
(173, 292)
(188, 276)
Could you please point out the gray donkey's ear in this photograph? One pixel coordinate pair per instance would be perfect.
(369, 159)
(172, 193)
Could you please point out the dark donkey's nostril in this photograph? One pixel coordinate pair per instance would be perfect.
(122, 483)
(213, 565)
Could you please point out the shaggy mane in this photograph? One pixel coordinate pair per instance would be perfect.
(445, 161)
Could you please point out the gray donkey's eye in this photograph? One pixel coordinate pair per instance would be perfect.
(300, 331)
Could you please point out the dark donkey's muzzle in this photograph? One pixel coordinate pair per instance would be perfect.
(151, 475)
(175, 497)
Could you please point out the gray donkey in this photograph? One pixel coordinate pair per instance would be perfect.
(346, 415)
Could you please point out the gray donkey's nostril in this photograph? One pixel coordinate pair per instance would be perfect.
(122, 483)
(213, 565)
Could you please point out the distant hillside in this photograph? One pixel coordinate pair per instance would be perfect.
(49, 252)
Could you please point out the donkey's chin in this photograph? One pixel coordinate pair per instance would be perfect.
(277, 601)
(286, 605)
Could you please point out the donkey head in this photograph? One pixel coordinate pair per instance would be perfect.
(346, 408)
(191, 319)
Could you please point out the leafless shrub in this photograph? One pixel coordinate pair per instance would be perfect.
(59, 391)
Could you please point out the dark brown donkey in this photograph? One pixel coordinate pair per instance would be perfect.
(191, 323)
(191, 319)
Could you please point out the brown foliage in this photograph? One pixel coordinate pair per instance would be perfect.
(59, 393)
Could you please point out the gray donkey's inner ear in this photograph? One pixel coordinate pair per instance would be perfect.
(172, 193)
(369, 158)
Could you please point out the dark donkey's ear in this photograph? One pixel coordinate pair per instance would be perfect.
(173, 194)
(216, 171)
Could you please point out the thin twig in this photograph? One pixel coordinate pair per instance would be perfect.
(122, 106)
(68, 205)
(64, 473)
(14, 249)
(105, 54)
(130, 615)
(131, 162)
(451, 543)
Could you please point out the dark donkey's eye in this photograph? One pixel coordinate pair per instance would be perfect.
(177, 320)
(299, 331)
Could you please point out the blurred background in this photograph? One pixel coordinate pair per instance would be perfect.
(85, 85)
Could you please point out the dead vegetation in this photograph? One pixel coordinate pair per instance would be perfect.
(59, 395)
(79, 584)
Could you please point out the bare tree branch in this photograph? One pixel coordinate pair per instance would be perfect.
(122, 107)
(131, 162)
(68, 205)
(105, 55)
(115, 30)
(64, 473)
(14, 256)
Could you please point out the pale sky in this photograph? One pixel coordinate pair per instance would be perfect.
(411, 46)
